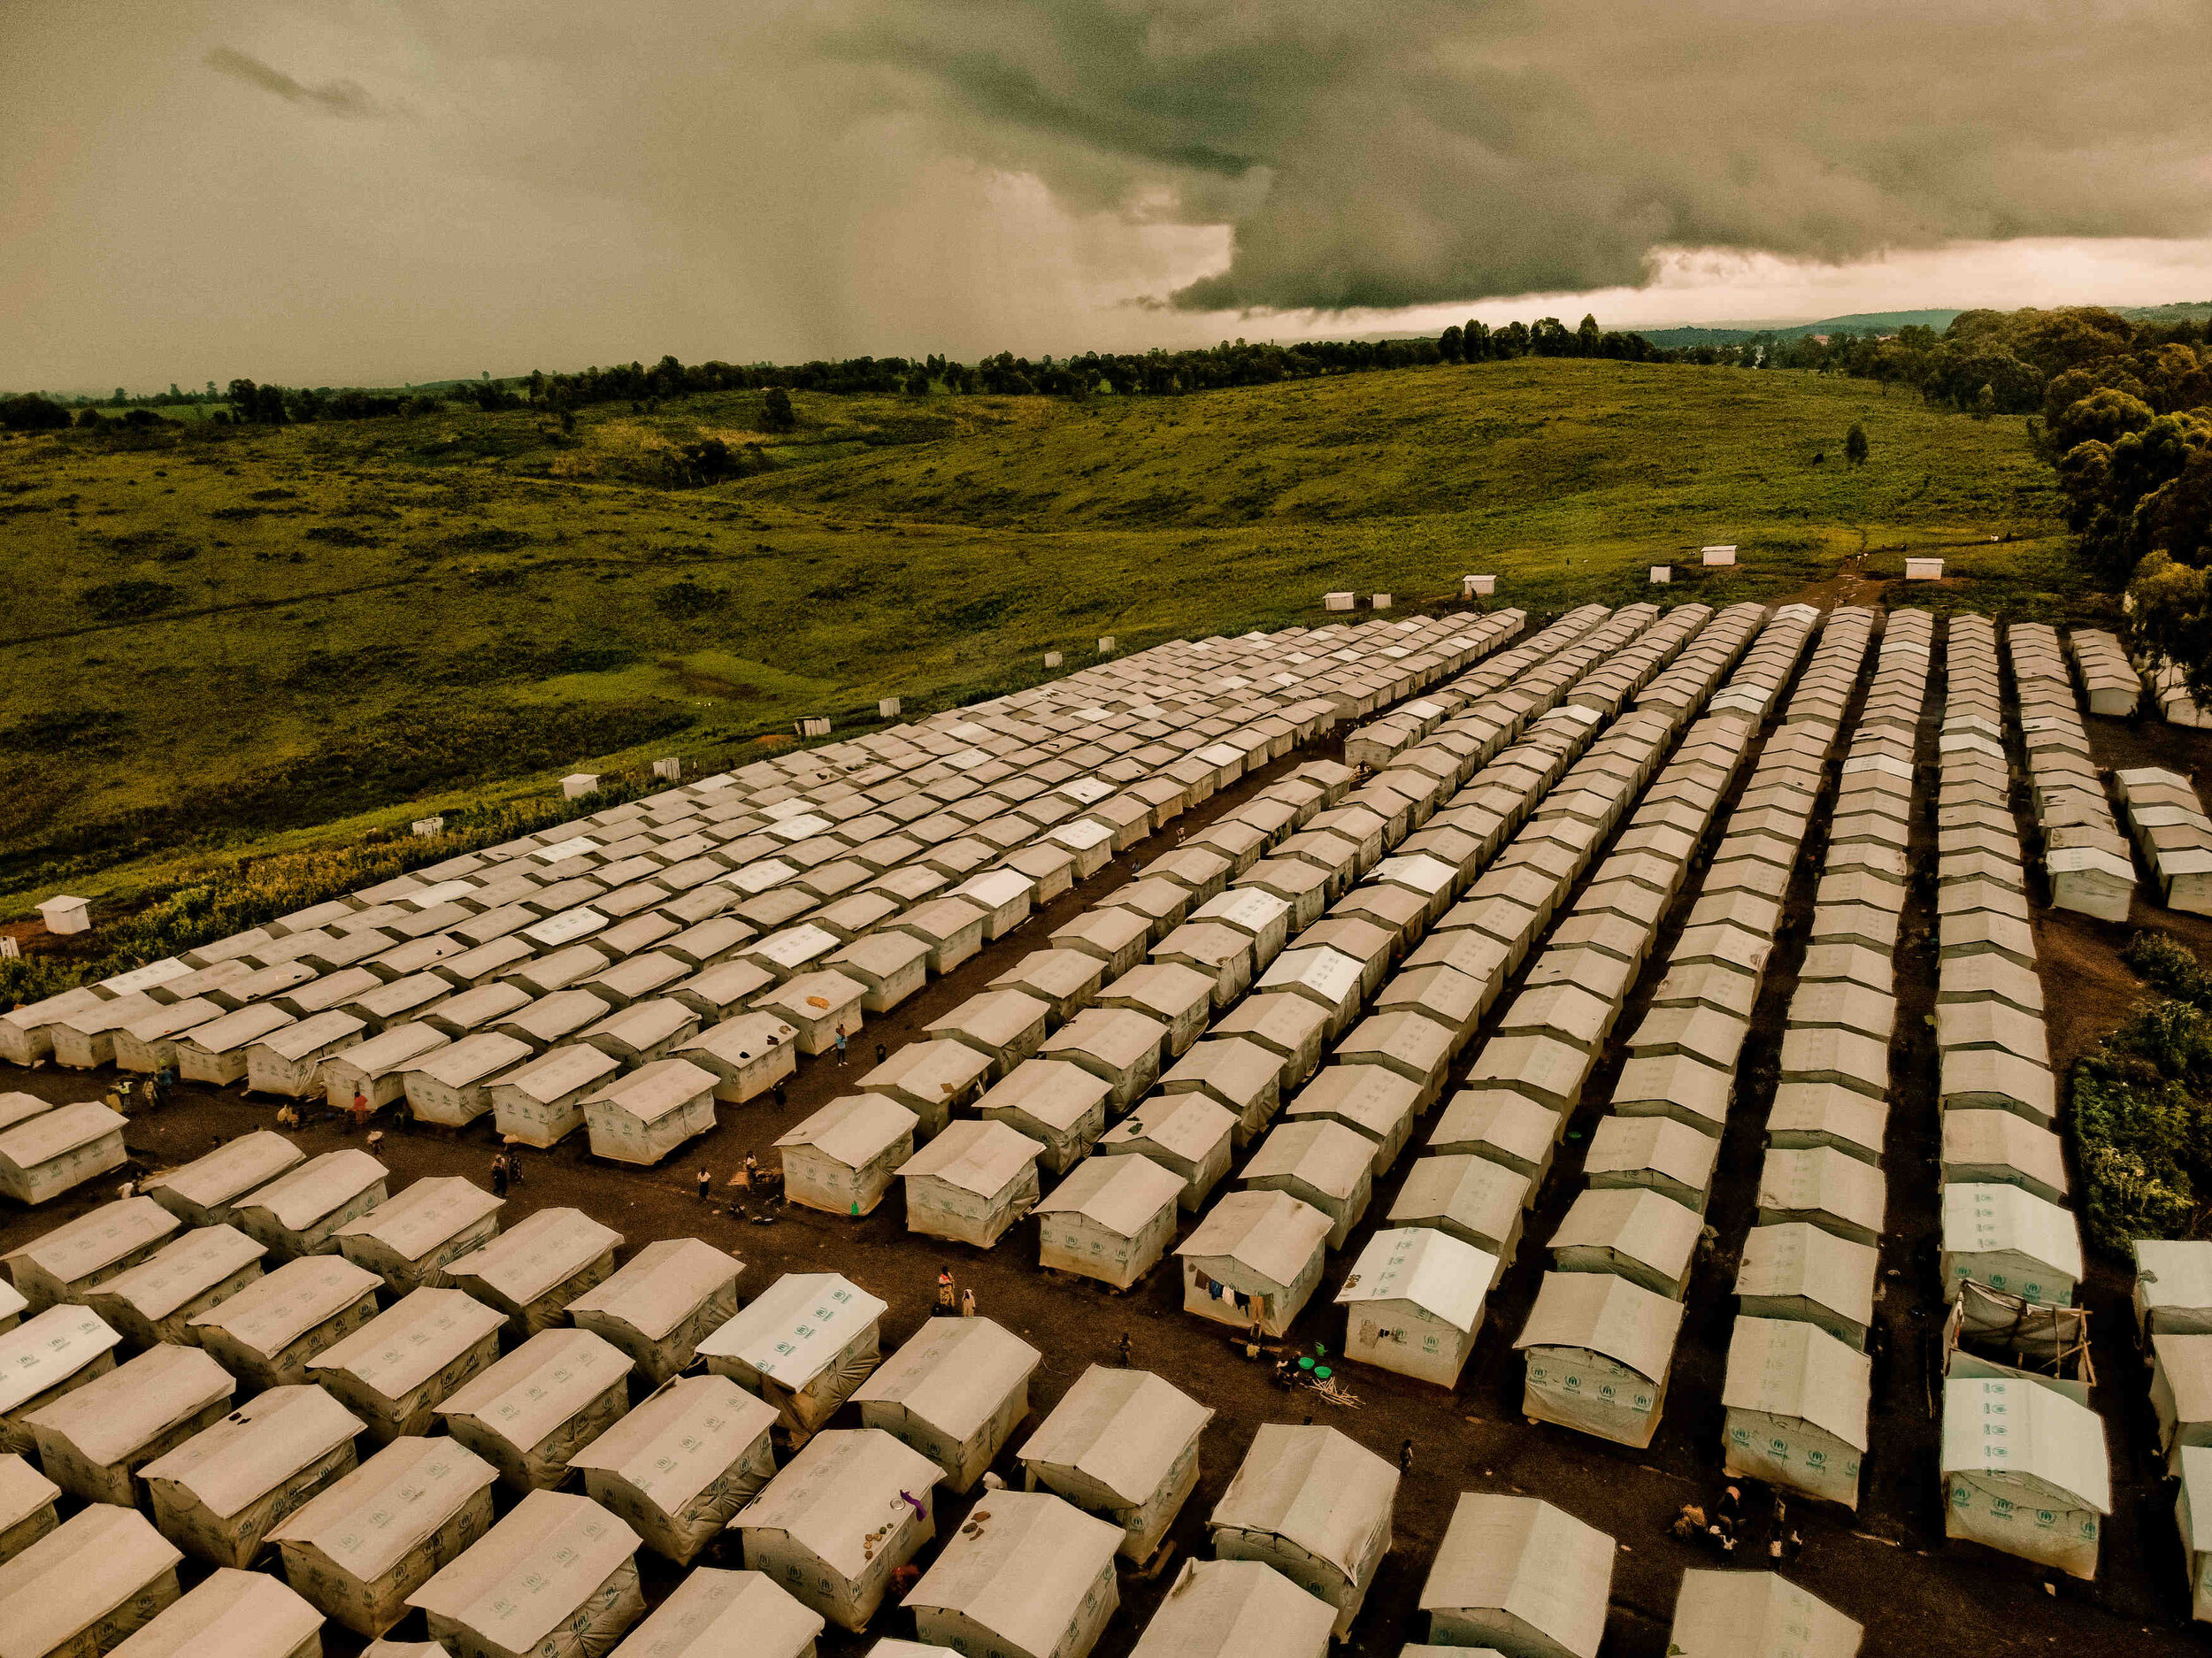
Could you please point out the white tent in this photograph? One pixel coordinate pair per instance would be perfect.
(201, 1192)
(1061, 1106)
(843, 1159)
(1323, 1164)
(1632, 1230)
(1111, 1219)
(1599, 1348)
(27, 1505)
(802, 1344)
(376, 1071)
(1236, 1609)
(713, 1614)
(299, 1212)
(543, 1102)
(216, 1495)
(559, 1576)
(747, 1055)
(1240, 1075)
(1255, 1261)
(680, 1467)
(47, 1155)
(266, 1333)
(85, 1585)
(1029, 1575)
(642, 1117)
(411, 1239)
(1757, 1614)
(2010, 1240)
(289, 1060)
(1518, 1575)
(663, 1303)
(1472, 1199)
(1122, 1445)
(232, 1614)
(530, 1411)
(1832, 1189)
(535, 1269)
(452, 1086)
(1796, 1271)
(2181, 1393)
(1190, 1132)
(1414, 1302)
(1315, 1507)
(955, 1392)
(360, 1548)
(2193, 1514)
(850, 1508)
(1797, 1402)
(931, 1079)
(93, 1439)
(396, 1368)
(215, 1053)
(2173, 1288)
(68, 1261)
(2025, 1471)
(972, 1182)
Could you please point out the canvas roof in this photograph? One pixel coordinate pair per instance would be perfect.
(2006, 1424)
(1314, 1487)
(1799, 1258)
(405, 1346)
(1121, 1193)
(300, 1197)
(661, 1285)
(840, 1491)
(853, 1128)
(538, 1251)
(280, 1305)
(1757, 1614)
(980, 1155)
(24, 1491)
(1635, 1221)
(71, 1579)
(2196, 1483)
(540, 1385)
(369, 1521)
(2173, 1273)
(529, 1573)
(715, 1613)
(680, 1440)
(953, 1373)
(1484, 1197)
(232, 1613)
(1319, 1151)
(1122, 1429)
(240, 1166)
(1523, 1556)
(42, 1352)
(1271, 1232)
(1608, 1315)
(1980, 1219)
(1234, 1608)
(653, 1090)
(1785, 1368)
(97, 1238)
(1440, 1274)
(1053, 1091)
(424, 1215)
(1187, 1125)
(795, 1326)
(114, 1415)
(1020, 1567)
(258, 1446)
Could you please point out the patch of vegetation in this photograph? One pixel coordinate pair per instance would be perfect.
(122, 601)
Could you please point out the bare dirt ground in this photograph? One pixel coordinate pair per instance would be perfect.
(1888, 1566)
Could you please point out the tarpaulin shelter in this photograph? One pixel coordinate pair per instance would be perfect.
(288, 1060)
(1757, 1614)
(217, 1495)
(541, 1103)
(2011, 1241)
(931, 1079)
(1633, 1231)
(1111, 1219)
(2193, 1516)
(1061, 1106)
(843, 1159)
(556, 1579)
(396, 1368)
(660, 1305)
(1236, 1609)
(1519, 1576)
(202, 1192)
(529, 1413)
(679, 1468)
(93, 1440)
(265, 1333)
(1027, 1575)
(535, 1269)
(972, 1182)
(1122, 1445)
(215, 1053)
(411, 1239)
(66, 1263)
(1472, 1199)
(1414, 1302)
(1796, 1271)
(803, 1343)
(1599, 1348)
(376, 1071)
(87, 1585)
(1190, 1132)
(1323, 1165)
(452, 1086)
(2181, 1393)
(48, 1155)
(956, 1392)
(2025, 1471)
(1240, 1075)
(1255, 1261)
(642, 1117)
(1797, 1400)
(359, 1549)
(713, 1614)
(2173, 1287)
(850, 1508)
(1315, 1506)
(299, 1212)
(232, 1613)
(27, 1505)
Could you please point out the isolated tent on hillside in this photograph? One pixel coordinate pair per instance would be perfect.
(1797, 1400)
(299, 1212)
(1255, 1261)
(803, 1343)
(1599, 1348)
(715, 1613)
(2015, 1450)
(843, 1159)
(216, 1495)
(850, 1508)
(360, 1548)
(202, 1192)
(1111, 1219)
(955, 1392)
(558, 1568)
(55, 1151)
(535, 1269)
(679, 1468)
(662, 1303)
(400, 1366)
(87, 1585)
(1517, 1574)
(93, 1439)
(265, 1333)
(1236, 1609)
(1757, 1614)
(1414, 1302)
(1314, 1505)
(1028, 1575)
(409, 1241)
(66, 1263)
(1122, 1445)
(529, 1412)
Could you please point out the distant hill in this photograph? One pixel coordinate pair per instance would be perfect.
(1859, 322)
(2182, 310)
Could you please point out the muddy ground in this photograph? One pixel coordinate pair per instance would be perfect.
(1889, 1566)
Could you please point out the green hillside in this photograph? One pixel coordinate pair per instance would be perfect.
(223, 638)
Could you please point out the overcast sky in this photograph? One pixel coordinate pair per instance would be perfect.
(370, 191)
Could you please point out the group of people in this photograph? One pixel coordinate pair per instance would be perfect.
(952, 1299)
(748, 1179)
(149, 1094)
(506, 1171)
(1725, 1532)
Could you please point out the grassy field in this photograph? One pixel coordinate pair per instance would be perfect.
(226, 640)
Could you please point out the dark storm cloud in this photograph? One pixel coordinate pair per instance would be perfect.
(1447, 149)
(344, 98)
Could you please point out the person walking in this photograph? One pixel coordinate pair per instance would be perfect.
(946, 1299)
(499, 1175)
(1405, 1457)
(967, 1302)
(376, 1141)
(883, 1054)
(1121, 1350)
(841, 1045)
(706, 1184)
(360, 1111)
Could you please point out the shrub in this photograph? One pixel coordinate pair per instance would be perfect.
(685, 599)
(2169, 967)
(127, 600)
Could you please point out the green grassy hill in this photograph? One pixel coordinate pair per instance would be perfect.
(224, 639)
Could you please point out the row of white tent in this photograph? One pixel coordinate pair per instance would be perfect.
(2173, 1313)
(670, 951)
(2084, 852)
(2113, 686)
(2172, 832)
